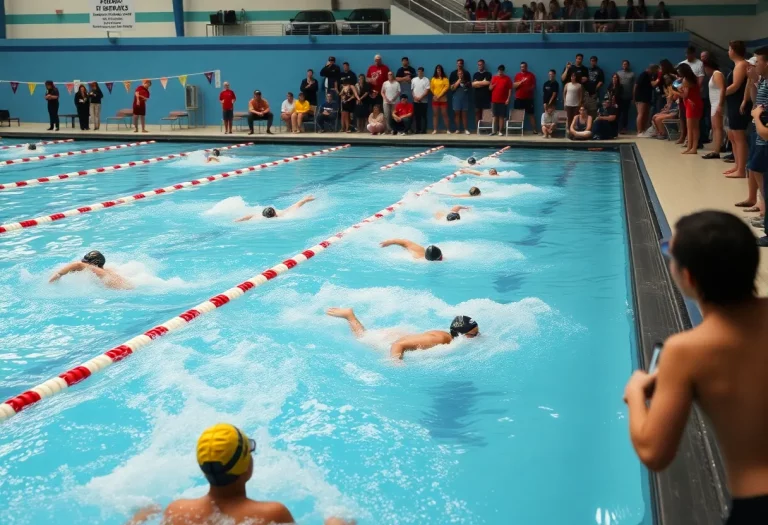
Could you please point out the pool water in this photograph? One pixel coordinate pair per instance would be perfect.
(524, 424)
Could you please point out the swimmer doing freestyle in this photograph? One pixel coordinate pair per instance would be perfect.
(452, 215)
(491, 172)
(270, 212)
(430, 253)
(461, 325)
(94, 261)
(474, 191)
(213, 157)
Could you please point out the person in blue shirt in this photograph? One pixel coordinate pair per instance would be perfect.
(328, 113)
(505, 15)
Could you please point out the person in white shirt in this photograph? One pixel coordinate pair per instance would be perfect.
(548, 121)
(286, 110)
(390, 92)
(420, 90)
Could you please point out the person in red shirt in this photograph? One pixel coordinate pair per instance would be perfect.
(400, 122)
(227, 98)
(140, 97)
(501, 90)
(376, 76)
(525, 87)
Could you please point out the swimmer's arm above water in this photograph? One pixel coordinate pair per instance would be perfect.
(416, 249)
(472, 172)
(410, 342)
(296, 206)
(246, 218)
(69, 268)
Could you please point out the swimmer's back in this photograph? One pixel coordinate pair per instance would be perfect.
(206, 511)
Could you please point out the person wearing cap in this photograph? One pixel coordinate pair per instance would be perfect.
(376, 75)
(460, 326)
(405, 76)
(258, 109)
(606, 125)
(420, 91)
(94, 262)
(332, 73)
(402, 116)
(270, 212)
(227, 98)
(430, 253)
(452, 214)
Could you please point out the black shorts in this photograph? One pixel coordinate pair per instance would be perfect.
(758, 159)
(228, 114)
(736, 120)
(499, 110)
(526, 104)
(481, 104)
(748, 511)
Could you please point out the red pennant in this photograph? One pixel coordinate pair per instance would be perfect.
(70, 86)
(109, 85)
(14, 86)
(209, 76)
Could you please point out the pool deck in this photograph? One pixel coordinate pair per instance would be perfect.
(683, 183)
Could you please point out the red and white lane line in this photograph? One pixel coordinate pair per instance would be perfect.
(409, 159)
(73, 376)
(38, 143)
(72, 153)
(106, 169)
(45, 219)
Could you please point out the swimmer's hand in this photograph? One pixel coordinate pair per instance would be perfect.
(386, 243)
(243, 219)
(56, 276)
(458, 208)
(145, 514)
(308, 198)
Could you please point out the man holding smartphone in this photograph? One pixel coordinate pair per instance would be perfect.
(722, 363)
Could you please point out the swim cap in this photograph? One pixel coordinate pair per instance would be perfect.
(433, 253)
(31, 147)
(471, 161)
(453, 216)
(269, 212)
(216, 153)
(462, 324)
(474, 191)
(94, 258)
(223, 453)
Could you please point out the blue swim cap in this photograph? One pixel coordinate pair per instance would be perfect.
(433, 253)
(269, 212)
(453, 216)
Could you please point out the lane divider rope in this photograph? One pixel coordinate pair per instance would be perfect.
(45, 219)
(72, 153)
(82, 173)
(38, 143)
(77, 374)
(409, 159)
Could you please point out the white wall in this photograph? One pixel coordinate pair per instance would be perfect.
(403, 22)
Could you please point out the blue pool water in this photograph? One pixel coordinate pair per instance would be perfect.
(524, 424)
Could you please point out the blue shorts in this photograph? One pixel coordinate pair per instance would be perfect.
(758, 160)
(460, 100)
(228, 114)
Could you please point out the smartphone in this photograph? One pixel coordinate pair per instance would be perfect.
(657, 348)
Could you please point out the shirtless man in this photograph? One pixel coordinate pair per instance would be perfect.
(430, 253)
(94, 261)
(492, 172)
(461, 325)
(213, 157)
(452, 215)
(722, 363)
(269, 212)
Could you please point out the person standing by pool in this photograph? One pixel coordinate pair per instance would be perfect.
(627, 78)
(227, 98)
(430, 253)
(94, 262)
(94, 97)
(501, 91)
(52, 96)
(309, 88)
(525, 86)
(461, 84)
(140, 97)
(83, 107)
(721, 364)
(439, 86)
(270, 212)
(461, 325)
(481, 87)
(420, 90)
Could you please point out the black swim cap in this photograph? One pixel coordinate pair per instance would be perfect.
(453, 216)
(433, 253)
(474, 191)
(94, 258)
(269, 212)
(462, 324)
(216, 153)
(471, 161)
(32, 147)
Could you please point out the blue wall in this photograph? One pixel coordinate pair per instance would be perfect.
(276, 65)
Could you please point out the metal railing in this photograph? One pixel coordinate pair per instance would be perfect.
(316, 28)
(441, 15)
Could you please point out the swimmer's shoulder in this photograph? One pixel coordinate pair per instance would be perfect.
(441, 335)
(266, 512)
(186, 511)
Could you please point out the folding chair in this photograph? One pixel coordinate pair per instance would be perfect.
(672, 125)
(562, 121)
(516, 121)
(124, 117)
(485, 122)
(311, 121)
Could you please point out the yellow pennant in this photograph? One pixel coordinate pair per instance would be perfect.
(31, 86)
(127, 84)
(183, 80)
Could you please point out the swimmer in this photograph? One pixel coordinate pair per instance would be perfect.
(94, 261)
(31, 147)
(213, 157)
(471, 161)
(474, 191)
(430, 253)
(452, 215)
(270, 212)
(461, 325)
(492, 172)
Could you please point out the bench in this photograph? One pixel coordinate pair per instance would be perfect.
(123, 116)
(66, 116)
(175, 117)
(5, 116)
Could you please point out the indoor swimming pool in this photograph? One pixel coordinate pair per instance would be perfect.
(523, 424)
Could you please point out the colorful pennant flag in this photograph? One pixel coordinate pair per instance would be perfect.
(127, 84)
(14, 87)
(163, 82)
(109, 86)
(209, 76)
(70, 87)
(77, 86)
(31, 86)
(183, 80)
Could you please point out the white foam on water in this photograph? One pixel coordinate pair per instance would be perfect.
(233, 207)
(490, 189)
(227, 158)
(236, 207)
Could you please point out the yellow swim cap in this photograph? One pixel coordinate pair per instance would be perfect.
(223, 453)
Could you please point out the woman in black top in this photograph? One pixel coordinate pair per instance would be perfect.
(363, 108)
(52, 97)
(82, 105)
(643, 96)
(738, 117)
(94, 97)
(309, 88)
(615, 90)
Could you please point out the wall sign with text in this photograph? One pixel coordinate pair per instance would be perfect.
(113, 15)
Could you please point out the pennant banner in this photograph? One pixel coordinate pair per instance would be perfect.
(183, 80)
(70, 87)
(31, 86)
(127, 84)
(109, 86)
(209, 76)
(163, 82)
(14, 87)
(77, 85)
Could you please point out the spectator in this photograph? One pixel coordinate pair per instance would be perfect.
(658, 83)
(470, 6)
(613, 14)
(627, 78)
(738, 120)
(578, 67)
(348, 98)
(390, 91)
(548, 121)
(258, 109)
(581, 127)
(632, 13)
(551, 89)
(579, 12)
(481, 83)
(641, 9)
(405, 75)
(439, 87)
(83, 107)
(52, 97)
(718, 364)
(615, 90)
(309, 88)
(420, 90)
(347, 75)
(301, 110)
(376, 121)
(501, 91)
(606, 125)
(482, 12)
(758, 159)
(661, 15)
(642, 95)
(525, 89)
(555, 13)
(600, 16)
(494, 6)
(573, 98)
(328, 113)
(140, 97)
(227, 98)
(698, 70)
(522, 25)
(376, 76)
(505, 16)
(401, 116)
(669, 111)
(758, 114)
(363, 107)
(286, 111)
(94, 97)
(461, 84)
(332, 74)
(716, 88)
(539, 15)
(592, 87)
(694, 106)
(567, 11)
